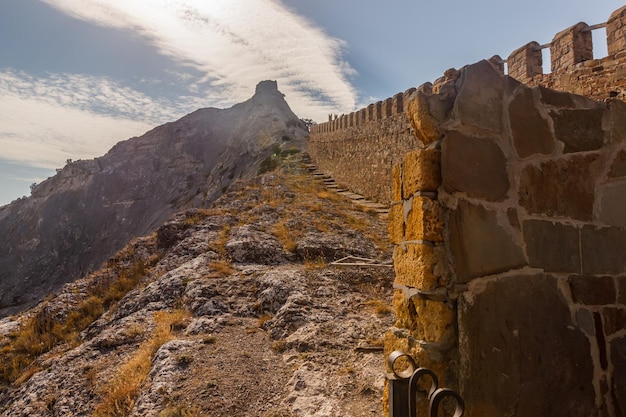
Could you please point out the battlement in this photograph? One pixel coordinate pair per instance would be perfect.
(506, 211)
(570, 50)
(573, 70)
(390, 107)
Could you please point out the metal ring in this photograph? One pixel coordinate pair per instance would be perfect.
(439, 395)
(391, 360)
(413, 387)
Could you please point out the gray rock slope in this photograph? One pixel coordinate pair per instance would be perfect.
(236, 311)
(75, 220)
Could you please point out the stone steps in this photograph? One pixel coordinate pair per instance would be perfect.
(357, 199)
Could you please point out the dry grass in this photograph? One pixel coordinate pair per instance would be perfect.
(264, 318)
(380, 307)
(313, 264)
(41, 332)
(285, 236)
(219, 245)
(120, 393)
(221, 268)
(280, 346)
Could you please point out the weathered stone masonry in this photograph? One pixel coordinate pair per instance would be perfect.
(510, 231)
(510, 256)
(573, 68)
(360, 149)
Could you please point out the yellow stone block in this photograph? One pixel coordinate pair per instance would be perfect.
(420, 117)
(399, 339)
(397, 182)
(396, 224)
(435, 321)
(421, 171)
(425, 220)
(419, 266)
(406, 316)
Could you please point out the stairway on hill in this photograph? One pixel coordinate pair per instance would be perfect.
(359, 200)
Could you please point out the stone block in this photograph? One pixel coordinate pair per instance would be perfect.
(618, 358)
(579, 130)
(554, 247)
(571, 46)
(479, 97)
(398, 339)
(517, 339)
(396, 223)
(422, 171)
(423, 122)
(425, 220)
(584, 320)
(531, 133)
(397, 183)
(555, 98)
(621, 289)
(603, 250)
(616, 34)
(526, 62)
(562, 187)
(401, 339)
(406, 315)
(614, 319)
(475, 166)
(592, 290)
(420, 266)
(480, 244)
(435, 322)
(617, 120)
(618, 165)
(612, 202)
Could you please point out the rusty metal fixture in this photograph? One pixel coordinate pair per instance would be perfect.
(404, 389)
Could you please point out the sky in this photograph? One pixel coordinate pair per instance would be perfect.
(78, 76)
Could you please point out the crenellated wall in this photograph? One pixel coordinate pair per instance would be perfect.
(509, 224)
(510, 256)
(573, 68)
(360, 149)
(376, 137)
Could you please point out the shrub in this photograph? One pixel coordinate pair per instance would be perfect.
(268, 164)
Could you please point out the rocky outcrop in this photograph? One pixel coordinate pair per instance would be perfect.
(216, 326)
(75, 220)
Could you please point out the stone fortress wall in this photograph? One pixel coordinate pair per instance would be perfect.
(359, 149)
(510, 247)
(509, 227)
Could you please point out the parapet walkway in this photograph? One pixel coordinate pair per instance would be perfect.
(359, 200)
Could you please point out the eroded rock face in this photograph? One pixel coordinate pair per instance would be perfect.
(90, 209)
(261, 333)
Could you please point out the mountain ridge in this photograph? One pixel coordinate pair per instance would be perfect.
(76, 219)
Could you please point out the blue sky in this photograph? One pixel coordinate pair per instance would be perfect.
(77, 76)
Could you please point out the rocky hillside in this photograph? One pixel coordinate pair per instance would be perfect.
(233, 310)
(75, 220)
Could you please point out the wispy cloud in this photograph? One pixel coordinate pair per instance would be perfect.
(44, 121)
(236, 44)
(221, 50)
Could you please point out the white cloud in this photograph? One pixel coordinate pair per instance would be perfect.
(43, 122)
(237, 44)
